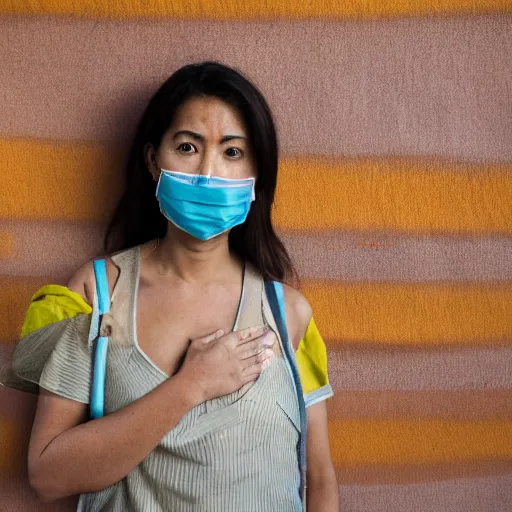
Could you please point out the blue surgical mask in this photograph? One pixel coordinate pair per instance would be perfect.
(204, 206)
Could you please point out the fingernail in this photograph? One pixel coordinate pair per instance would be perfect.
(268, 337)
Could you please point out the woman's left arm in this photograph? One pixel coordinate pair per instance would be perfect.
(322, 486)
(322, 490)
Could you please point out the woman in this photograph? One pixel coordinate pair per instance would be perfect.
(201, 411)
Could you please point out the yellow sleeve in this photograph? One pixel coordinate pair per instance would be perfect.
(311, 358)
(52, 303)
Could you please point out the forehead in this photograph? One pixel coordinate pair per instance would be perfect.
(209, 113)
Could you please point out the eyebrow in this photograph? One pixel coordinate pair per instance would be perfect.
(200, 138)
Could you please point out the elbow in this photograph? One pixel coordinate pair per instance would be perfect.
(40, 480)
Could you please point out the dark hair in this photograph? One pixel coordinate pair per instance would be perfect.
(137, 218)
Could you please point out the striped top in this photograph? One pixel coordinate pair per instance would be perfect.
(55, 304)
(218, 456)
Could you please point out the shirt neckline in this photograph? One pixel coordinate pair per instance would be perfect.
(134, 310)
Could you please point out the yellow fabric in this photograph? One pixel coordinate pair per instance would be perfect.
(52, 303)
(312, 360)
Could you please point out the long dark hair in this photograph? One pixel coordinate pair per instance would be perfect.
(137, 218)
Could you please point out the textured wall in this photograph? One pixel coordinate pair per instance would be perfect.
(394, 198)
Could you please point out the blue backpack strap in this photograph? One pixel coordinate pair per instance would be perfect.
(97, 400)
(275, 296)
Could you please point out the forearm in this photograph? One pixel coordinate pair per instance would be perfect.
(99, 453)
(323, 495)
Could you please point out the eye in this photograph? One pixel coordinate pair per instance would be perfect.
(235, 152)
(188, 146)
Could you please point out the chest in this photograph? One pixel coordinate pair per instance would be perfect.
(169, 317)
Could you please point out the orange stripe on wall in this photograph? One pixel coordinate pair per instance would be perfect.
(14, 300)
(238, 9)
(418, 442)
(410, 196)
(58, 180)
(412, 314)
(81, 181)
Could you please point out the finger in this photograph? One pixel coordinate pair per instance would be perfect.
(250, 332)
(249, 378)
(254, 346)
(234, 338)
(248, 350)
(211, 337)
(258, 358)
(265, 364)
(253, 372)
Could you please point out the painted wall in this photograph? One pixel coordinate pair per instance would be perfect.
(394, 198)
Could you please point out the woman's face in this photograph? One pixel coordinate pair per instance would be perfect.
(206, 137)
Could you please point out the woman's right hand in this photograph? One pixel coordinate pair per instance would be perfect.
(219, 364)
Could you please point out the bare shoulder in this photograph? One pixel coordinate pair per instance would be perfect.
(83, 281)
(297, 303)
(298, 313)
